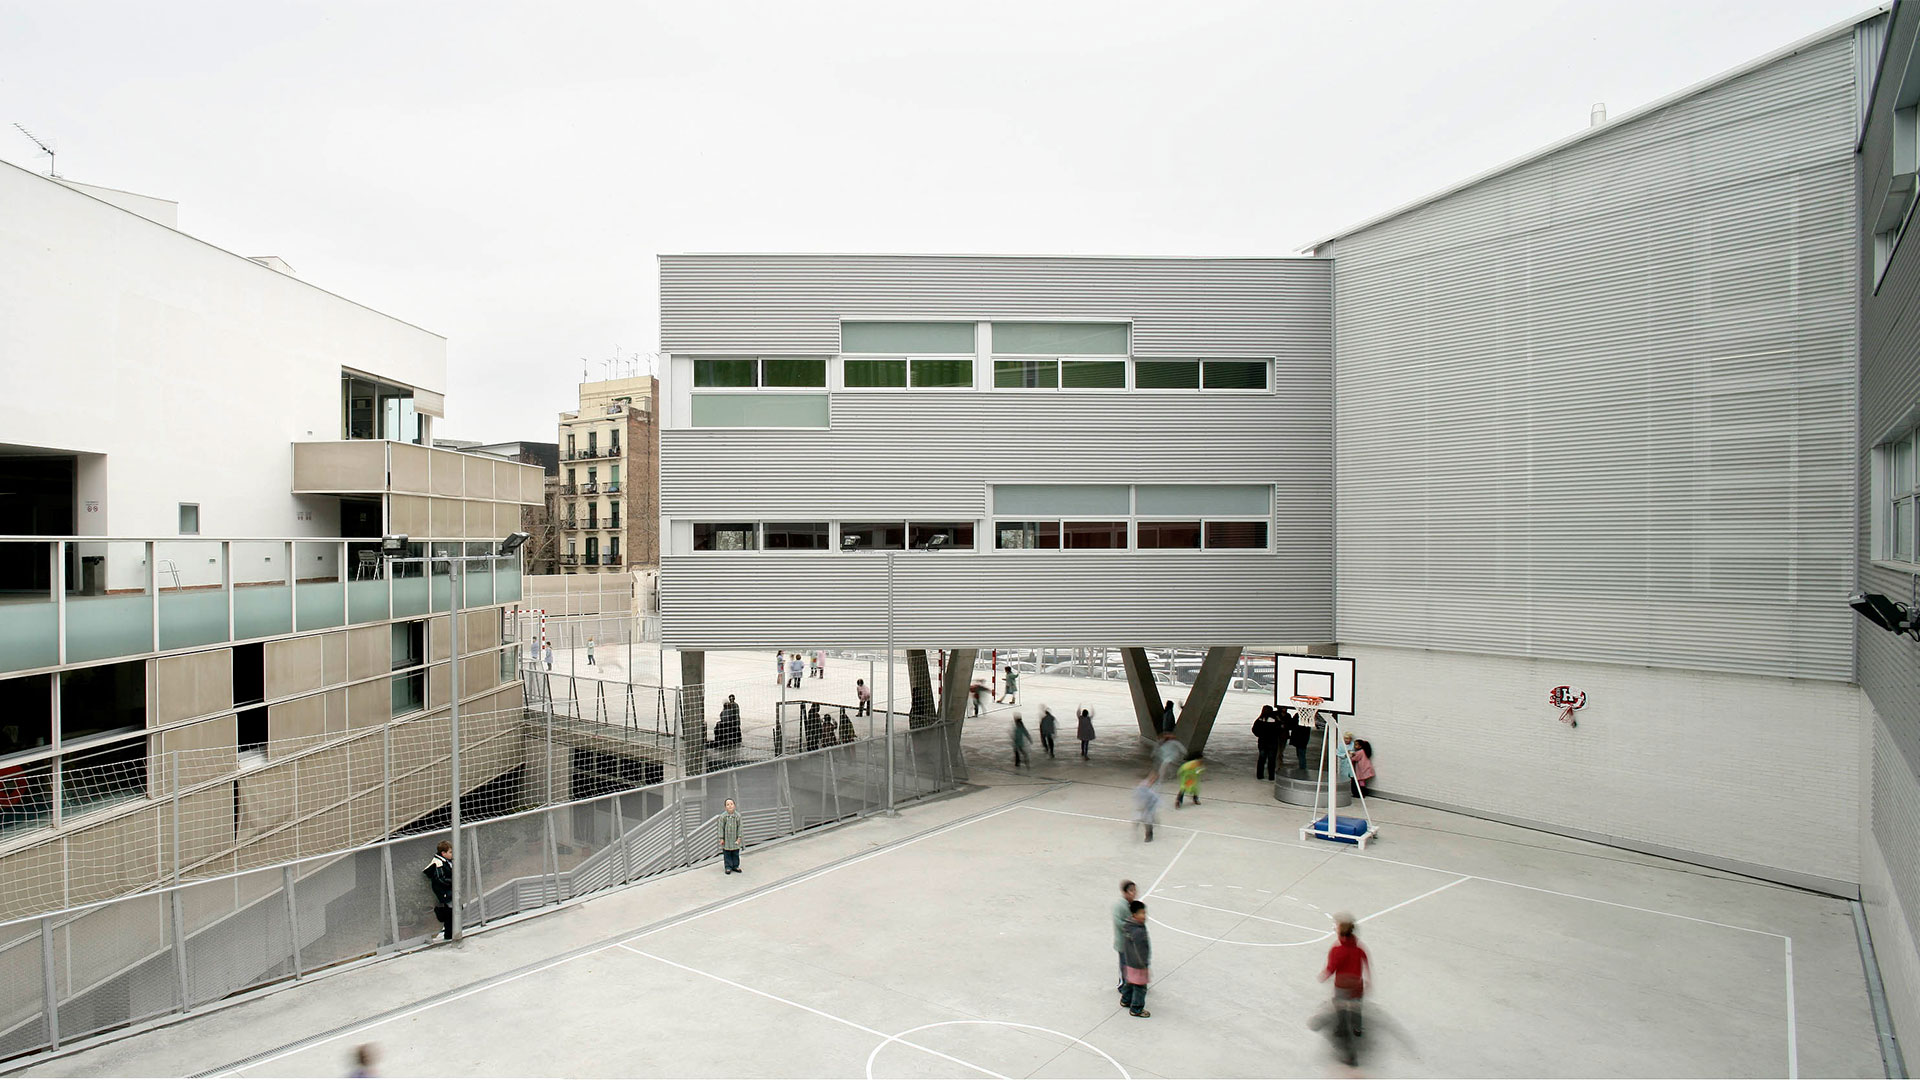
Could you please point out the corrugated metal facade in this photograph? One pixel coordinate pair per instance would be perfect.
(933, 455)
(1601, 406)
(1889, 665)
(1180, 307)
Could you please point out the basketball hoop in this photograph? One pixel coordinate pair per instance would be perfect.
(1306, 708)
(1568, 701)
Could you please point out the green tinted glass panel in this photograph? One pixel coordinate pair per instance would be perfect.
(1202, 499)
(906, 337)
(1059, 339)
(1236, 374)
(760, 410)
(855, 374)
(1026, 374)
(1166, 374)
(793, 371)
(1093, 374)
(942, 373)
(1053, 500)
(717, 371)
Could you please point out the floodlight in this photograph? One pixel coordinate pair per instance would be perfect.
(512, 543)
(938, 541)
(848, 543)
(394, 544)
(1885, 614)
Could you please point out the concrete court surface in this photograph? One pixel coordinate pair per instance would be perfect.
(968, 937)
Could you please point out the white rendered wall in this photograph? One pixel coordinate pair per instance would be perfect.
(193, 370)
(1760, 774)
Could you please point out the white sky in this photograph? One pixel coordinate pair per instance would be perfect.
(504, 174)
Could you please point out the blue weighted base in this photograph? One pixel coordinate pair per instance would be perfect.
(1345, 831)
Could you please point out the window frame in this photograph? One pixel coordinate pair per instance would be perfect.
(837, 373)
(1059, 372)
(1889, 502)
(1134, 518)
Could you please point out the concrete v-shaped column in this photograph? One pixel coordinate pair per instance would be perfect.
(693, 711)
(953, 696)
(1146, 692)
(920, 680)
(1196, 718)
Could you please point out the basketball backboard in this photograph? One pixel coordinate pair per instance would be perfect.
(1328, 677)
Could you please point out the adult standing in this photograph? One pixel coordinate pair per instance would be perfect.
(1048, 725)
(1129, 892)
(546, 654)
(1021, 738)
(1300, 735)
(730, 838)
(1267, 732)
(1138, 957)
(439, 871)
(726, 733)
(847, 734)
(1167, 720)
(1085, 732)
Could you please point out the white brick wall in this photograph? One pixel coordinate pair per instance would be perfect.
(1735, 768)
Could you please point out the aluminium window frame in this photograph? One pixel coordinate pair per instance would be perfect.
(1887, 502)
(1133, 517)
(1059, 386)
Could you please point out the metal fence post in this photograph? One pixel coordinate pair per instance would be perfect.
(49, 986)
(293, 917)
(620, 838)
(552, 854)
(175, 781)
(392, 901)
(183, 986)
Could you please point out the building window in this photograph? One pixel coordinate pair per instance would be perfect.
(104, 776)
(409, 652)
(905, 338)
(371, 409)
(873, 536)
(593, 515)
(593, 444)
(105, 700)
(28, 801)
(570, 455)
(795, 535)
(1166, 374)
(1026, 535)
(189, 519)
(1163, 535)
(1093, 374)
(1236, 534)
(959, 534)
(26, 717)
(805, 371)
(1093, 534)
(711, 372)
(613, 513)
(1161, 517)
(725, 536)
(747, 372)
(1895, 482)
(593, 551)
(613, 475)
(1234, 374)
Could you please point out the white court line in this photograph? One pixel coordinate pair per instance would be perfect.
(411, 1012)
(824, 1015)
(1793, 1049)
(1422, 896)
(1245, 914)
(1176, 858)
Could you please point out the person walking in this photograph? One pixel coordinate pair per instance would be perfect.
(366, 1059)
(1167, 720)
(1167, 757)
(590, 650)
(1146, 803)
(1085, 731)
(1128, 894)
(1268, 733)
(1012, 692)
(1300, 734)
(863, 697)
(796, 670)
(546, 654)
(1048, 725)
(439, 872)
(1138, 957)
(1350, 969)
(730, 839)
(978, 691)
(1190, 772)
(1021, 739)
(847, 734)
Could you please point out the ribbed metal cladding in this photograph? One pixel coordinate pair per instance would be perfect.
(1179, 307)
(933, 455)
(1889, 664)
(1601, 406)
(963, 600)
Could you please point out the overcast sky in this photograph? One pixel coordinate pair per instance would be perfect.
(505, 174)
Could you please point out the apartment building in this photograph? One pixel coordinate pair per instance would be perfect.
(609, 462)
(207, 466)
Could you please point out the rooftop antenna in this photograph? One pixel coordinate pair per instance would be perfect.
(44, 148)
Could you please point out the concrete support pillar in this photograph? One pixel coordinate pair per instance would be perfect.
(1146, 692)
(692, 715)
(1203, 701)
(920, 679)
(953, 696)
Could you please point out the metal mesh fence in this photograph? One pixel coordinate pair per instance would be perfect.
(92, 968)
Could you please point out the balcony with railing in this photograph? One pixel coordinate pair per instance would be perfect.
(569, 489)
(613, 487)
(591, 487)
(569, 559)
(80, 599)
(613, 522)
(613, 558)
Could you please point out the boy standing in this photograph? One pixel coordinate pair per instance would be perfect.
(1138, 958)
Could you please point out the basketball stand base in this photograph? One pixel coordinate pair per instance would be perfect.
(1355, 831)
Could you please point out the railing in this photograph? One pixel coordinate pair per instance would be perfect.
(89, 969)
(613, 559)
(569, 560)
(589, 488)
(613, 523)
(590, 560)
(569, 489)
(97, 598)
(590, 452)
(613, 487)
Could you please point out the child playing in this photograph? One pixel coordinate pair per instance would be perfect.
(1190, 773)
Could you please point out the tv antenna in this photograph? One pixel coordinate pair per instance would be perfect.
(44, 148)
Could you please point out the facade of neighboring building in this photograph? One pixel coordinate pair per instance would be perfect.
(1888, 262)
(606, 510)
(199, 635)
(541, 551)
(1041, 414)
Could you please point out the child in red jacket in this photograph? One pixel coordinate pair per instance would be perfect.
(1348, 967)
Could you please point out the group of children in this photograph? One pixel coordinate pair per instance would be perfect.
(789, 671)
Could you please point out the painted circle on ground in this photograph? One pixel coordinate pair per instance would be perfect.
(900, 1037)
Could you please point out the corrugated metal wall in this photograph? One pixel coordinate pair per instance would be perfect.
(1601, 406)
(933, 455)
(1889, 665)
(1179, 307)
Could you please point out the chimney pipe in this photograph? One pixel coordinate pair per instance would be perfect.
(1599, 114)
